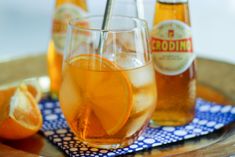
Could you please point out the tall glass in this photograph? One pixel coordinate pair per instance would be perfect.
(108, 92)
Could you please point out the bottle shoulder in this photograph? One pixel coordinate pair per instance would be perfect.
(170, 11)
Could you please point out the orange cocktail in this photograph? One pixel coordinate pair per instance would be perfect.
(108, 98)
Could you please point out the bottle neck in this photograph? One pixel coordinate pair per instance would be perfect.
(172, 10)
(172, 1)
(80, 3)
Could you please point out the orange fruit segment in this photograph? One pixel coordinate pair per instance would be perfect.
(104, 88)
(89, 125)
(34, 88)
(5, 96)
(22, 117)
(32, 85)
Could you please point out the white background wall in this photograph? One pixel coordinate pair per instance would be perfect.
(25, 26)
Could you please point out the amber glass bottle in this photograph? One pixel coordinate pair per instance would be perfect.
(64, 11)
(174, 62)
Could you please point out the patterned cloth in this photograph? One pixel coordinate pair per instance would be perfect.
(209, 117)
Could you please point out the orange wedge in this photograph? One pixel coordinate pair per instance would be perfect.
(5, 95)
(22, 117)
(34, 88)
(103, 87)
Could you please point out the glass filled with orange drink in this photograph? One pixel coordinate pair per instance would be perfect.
(108, 91)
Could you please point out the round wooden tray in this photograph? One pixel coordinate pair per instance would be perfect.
(216, 82)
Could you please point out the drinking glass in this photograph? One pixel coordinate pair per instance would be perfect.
(108, 89)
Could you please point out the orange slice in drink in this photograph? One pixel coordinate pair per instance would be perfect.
(104, 88)
(22, 117)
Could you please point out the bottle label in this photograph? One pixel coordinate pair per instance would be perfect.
(172, 48)
(62, 16)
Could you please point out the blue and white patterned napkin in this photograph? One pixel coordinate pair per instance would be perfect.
(209, 117)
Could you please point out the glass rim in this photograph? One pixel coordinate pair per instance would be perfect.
(72, 22)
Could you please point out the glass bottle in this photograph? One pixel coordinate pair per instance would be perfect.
(64, 11)
(174, 62)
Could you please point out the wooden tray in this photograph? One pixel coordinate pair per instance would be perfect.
(216, 82)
